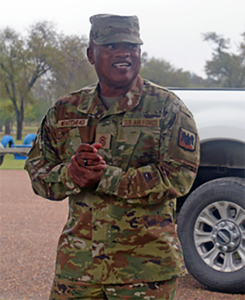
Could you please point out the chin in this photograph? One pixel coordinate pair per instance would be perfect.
(124, 80)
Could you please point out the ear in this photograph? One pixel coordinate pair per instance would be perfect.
(90, 55)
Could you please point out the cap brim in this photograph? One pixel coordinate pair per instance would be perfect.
(118, 38)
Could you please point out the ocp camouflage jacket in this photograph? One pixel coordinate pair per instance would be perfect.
(122, 230)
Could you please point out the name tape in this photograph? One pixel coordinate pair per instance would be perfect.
(141, 122)
(73, 123)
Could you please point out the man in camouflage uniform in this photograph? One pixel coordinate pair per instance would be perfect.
(122, 150)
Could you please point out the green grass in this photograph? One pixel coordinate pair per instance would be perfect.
(10, 163)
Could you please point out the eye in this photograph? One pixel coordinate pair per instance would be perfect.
(132, 47)
(110, 46)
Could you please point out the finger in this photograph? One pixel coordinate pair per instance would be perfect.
(85, 176)
(97, 145)
(90, 162)
(85, 164)
(91, 158)
(74, 161)
(97, 168)
(86, 148)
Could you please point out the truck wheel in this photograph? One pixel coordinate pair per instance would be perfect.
(211, 229)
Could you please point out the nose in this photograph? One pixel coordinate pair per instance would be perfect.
(122, 52)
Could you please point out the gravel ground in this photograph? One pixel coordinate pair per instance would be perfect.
(30, 228)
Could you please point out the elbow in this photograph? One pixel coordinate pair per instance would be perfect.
(47, 194)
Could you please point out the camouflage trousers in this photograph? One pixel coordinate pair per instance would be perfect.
(68, 289)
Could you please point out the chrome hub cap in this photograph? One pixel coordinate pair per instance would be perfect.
(219, 236)
(226, 236)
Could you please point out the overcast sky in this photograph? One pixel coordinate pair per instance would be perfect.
(170, 29)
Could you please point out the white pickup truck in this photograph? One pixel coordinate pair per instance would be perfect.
(211, 218)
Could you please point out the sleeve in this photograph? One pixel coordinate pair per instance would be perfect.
(49, 175)
(177, 168)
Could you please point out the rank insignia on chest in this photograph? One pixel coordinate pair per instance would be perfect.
(104, 139)
(187, 139)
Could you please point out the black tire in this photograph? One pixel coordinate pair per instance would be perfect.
(211, 229)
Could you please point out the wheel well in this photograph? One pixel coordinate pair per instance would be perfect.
(222, 153)
(219, 158)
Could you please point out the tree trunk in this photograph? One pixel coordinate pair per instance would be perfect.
(7, 127)
(19, 128)
(20, 119)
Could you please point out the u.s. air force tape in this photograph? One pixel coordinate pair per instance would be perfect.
(140, 122)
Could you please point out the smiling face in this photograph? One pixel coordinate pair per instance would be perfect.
(117, 66)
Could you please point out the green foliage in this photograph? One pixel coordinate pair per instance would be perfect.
(23, 61)
(7, 115)
(40, 109)
(29, 113)
(163, 73)
(225, 69)
(74, 71)
(71, 72)
(6, 110)
(42, 62)
(35, 112)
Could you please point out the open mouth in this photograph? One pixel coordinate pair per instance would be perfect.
(121, 65)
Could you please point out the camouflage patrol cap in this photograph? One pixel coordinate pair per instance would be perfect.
(107, 29)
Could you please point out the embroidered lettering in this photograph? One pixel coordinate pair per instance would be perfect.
(73, 123)
(140, 122)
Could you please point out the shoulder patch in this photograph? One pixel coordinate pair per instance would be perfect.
(187, 139)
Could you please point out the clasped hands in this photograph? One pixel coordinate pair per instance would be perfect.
(86, 166)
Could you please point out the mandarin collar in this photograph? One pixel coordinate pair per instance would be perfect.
(92, 105)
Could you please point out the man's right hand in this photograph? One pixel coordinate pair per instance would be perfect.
(86, 165)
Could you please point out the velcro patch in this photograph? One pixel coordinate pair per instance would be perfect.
(140, 122)
(73, 123)
(104, 139)
(187, 139)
